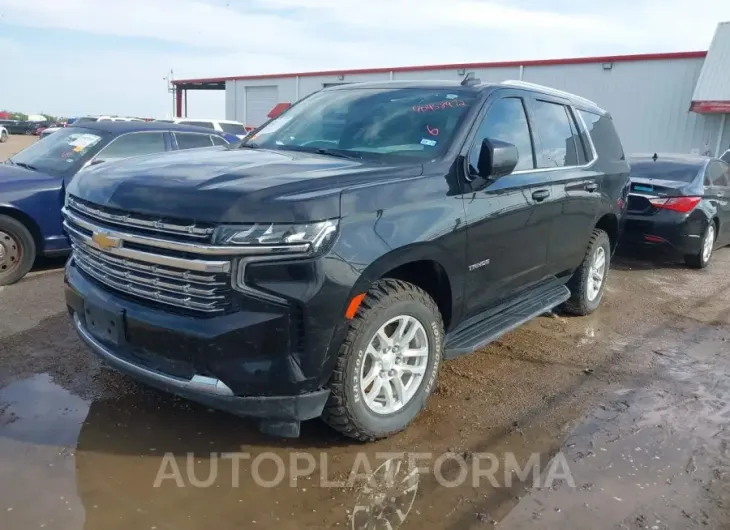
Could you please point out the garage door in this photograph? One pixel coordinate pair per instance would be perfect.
(260, 100)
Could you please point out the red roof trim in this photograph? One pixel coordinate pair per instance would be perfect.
(456, 66)
(721, 107)
(278, 109)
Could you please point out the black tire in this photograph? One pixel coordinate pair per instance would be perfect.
(345, 410)
(18, 250)
(28, 133)
(698, 261)
(580, 302)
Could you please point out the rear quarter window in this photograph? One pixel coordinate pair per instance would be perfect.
(602, 132)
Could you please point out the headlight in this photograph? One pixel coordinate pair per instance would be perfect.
(301, 238)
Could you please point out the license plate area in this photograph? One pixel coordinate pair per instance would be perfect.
(103, 324)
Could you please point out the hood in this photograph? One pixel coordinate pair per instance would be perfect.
(220, 185)
(14, 178)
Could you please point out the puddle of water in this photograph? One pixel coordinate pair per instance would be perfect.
(38, 411)
(39, 426)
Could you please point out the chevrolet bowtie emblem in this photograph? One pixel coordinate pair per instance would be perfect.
(105, 241)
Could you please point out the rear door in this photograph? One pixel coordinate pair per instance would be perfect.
(567, 158)
(508, 219)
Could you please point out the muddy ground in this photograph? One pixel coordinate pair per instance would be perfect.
(623, 414)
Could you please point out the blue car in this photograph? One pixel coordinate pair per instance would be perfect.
(33, 182)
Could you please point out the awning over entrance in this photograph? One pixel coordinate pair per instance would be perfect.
(712, 93)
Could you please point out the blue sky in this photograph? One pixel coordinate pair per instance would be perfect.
(74, 57)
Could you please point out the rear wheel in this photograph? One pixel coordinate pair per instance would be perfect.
(589, 280)
(701, 259)
(17, 250)
(3, 137)
(388, 363)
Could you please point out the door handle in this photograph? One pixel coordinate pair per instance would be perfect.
(591, 187)
(540, 195)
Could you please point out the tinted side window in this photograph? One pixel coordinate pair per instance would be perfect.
(192, 140)
(604, 136)
(206, 124)
(559, 148)
(506, 120)
(217, 140)
(134, 144)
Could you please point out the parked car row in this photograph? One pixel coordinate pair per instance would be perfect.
(352, 243)
(33, 182)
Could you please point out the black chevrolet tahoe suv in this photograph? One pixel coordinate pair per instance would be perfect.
(327, 264)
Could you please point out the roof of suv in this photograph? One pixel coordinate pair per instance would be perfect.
(131, 126)
(456, 85)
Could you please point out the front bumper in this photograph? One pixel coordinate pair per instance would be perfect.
(673, 231)
(240, 362)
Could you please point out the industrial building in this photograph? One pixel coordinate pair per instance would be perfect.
(670, 102)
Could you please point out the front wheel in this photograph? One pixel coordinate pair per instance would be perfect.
(17, 250)
(388, 362)
(589, 280)
(701, 259)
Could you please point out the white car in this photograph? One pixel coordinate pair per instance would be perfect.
(45, 132)
(230, 127)
(3, 135)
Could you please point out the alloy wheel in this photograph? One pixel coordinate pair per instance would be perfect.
(394, 364)
(597, 273)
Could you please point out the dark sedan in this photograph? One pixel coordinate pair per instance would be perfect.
(33, 182)
(680, 203)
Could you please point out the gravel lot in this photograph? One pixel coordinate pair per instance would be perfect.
(14, 144)
(633, 399)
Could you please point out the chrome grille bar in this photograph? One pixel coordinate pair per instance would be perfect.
(186, 302)
(148, 257)
(154, 282)
(192, 248)
(129, 220)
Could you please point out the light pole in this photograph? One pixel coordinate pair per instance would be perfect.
(171, 89)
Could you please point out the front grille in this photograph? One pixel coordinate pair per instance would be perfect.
(138, 264)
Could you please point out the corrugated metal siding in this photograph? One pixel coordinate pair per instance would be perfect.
(714, 81)
(649, 100)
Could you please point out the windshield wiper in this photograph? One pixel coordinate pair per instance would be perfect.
(248, 146)
(26, 166)
(340, 153)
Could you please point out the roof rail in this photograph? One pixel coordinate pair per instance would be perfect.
(551, 91)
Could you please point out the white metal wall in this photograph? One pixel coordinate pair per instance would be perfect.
(649, 100)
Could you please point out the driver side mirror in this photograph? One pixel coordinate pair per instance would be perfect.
(497, 159)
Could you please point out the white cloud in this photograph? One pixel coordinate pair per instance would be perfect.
(266, 36)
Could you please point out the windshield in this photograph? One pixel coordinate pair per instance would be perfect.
(233, 128)
(61, 152)
(86, 119)
(381, 123)
(676, 171)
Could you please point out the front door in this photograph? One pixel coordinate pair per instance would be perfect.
(508, 220)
